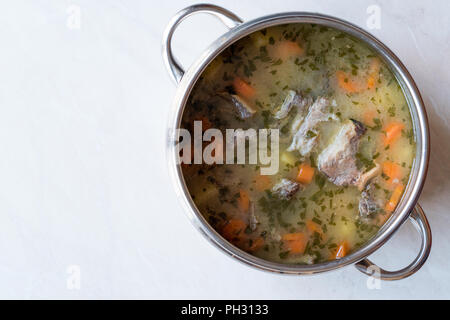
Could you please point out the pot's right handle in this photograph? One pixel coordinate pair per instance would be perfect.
(420, 221)
(172, 65)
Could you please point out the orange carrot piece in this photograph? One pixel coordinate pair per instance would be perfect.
(305, 173)
(393, 131)
(262, 183)
(342, 250)
(234, 229)
(256, 244)
(286, 49)
(243, 89)
(346, 83)
(296, 242)
(293, 236)
(395, 198)
(393, 171)
(371, 82)
(313, 227)
(244, 200)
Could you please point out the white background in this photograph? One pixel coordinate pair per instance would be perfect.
(83, 177)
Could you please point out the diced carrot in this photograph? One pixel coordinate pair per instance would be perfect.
(234, 229)
(393, 171)
(374, 70)
(286, 49)
(313, 227)
(256, 244)
(342, 250)
(305, 173)
(243, 89)
(296, 242)
(292, 236)
(244, 200)
(371, 82)
(262, 182)
(346, 83)
(395, 198)
(393, 131)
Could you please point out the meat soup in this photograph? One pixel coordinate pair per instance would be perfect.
(346, 143)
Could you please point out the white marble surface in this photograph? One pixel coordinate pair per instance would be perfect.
(83, 179)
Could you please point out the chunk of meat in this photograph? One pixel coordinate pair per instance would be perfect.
(292, 100)
(298, 120)
(306, 137)
(368, 205)
(243, 109)
(285, 189)
(338, 160)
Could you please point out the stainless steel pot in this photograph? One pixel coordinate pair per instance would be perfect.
(408, 206)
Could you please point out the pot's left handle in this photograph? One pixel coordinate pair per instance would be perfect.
(172, 65)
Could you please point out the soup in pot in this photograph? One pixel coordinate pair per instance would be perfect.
(345, 151)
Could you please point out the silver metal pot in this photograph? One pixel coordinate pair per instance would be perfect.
(408, 206)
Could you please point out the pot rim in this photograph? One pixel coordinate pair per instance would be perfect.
(415, 104)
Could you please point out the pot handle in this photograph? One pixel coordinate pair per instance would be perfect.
(173, 66)
(420, 221)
